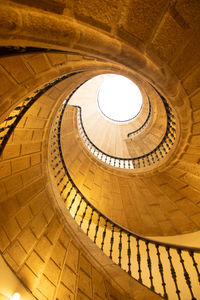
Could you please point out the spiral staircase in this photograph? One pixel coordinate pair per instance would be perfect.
(91, 209)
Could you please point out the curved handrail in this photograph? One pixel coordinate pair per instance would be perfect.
(8, 125)
(145, 122)
(148, 159)
(162, 261)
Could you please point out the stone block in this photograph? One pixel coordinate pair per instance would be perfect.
(30, 191)
(191, 194)
(31, 174)
(48, 212)
(4, 241)
(38, 225)
(9, 208)
(20, 164)
(63, 293)
(140, 18)
(55, 6)
(13, 183)
(188, 58)
(69, 279)
(10, 261)
(38, 202)
(192, 82)
(17, 68)
(168, 39)
(181, 222)
(85, 284)
(196, 129)
(98, 13)
(30, 148)
(7, 83)
(11, 151)
(24, 216)
(52, 272)
(27, 240)
(33, 122)
(98, 284)
(39, 295)
(58, 254)
(27, 276)
(38, 63)
(22, 134)
(187, 207)
(44, 111)
(3, 192)
(17, 253)
(37, 135)
(46, 287)
(64, 239)
(36, 159)
(85, 265)
(196, 116)
(35, 263)
(53, 230)
(196, 219)
(12, 229)
(81, 296)
(72, 257)
(44, 248)
(5, 169)
(56, 58)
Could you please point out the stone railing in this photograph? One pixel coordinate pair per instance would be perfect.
(172, 271)
(151, 158)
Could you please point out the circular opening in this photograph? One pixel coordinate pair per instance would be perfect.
(119, 99)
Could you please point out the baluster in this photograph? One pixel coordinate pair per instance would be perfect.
(149, 266)
(186, 275)
(173, 272)
(78, 207)
(83, 216)
(148, 160)
(139, 260)
(129, 164)
(120, 247)
(97, 228)
(195, 264)
(156, 155)
(152, 158)
(90, 221)
(160, 152)
(164, 148)
(124, 163)
(138, 163)
(61, 179)
(114, 162)
(143, 161)
(129, 254)
(64, 186)
(58, 172)
(73, 200)
(104, 234)
(160, 266)
(133, 162)
(69, 192)
(112, 240)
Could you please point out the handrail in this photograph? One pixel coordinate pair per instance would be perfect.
(148, 159)
(8, 125)
(145, 122)
(134, 253)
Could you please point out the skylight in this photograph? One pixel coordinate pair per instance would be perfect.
(119, 99)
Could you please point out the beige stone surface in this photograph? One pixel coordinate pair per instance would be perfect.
(160, 47)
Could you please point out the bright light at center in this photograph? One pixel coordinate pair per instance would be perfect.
(119, 98)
